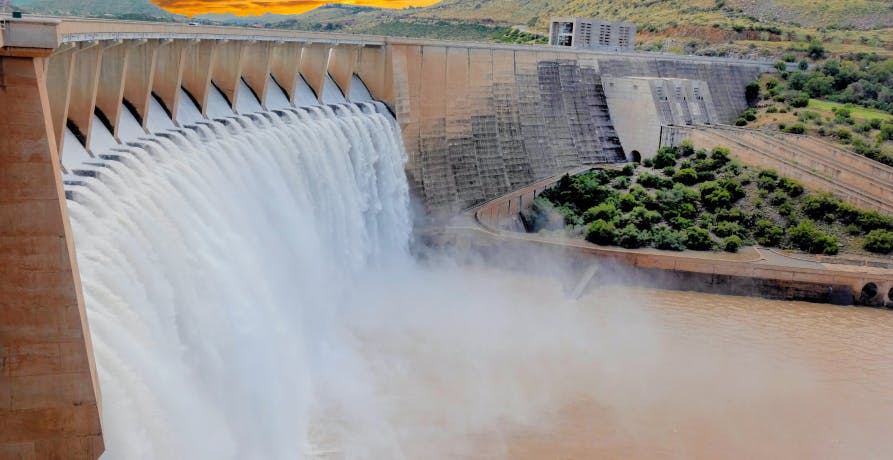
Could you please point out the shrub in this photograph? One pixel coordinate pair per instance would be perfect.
(767, 233)
(720, 155)
(778, 198)
(806, 237)
(740, 122)
(785, 210)
(665, 157)
(643, 218)
(781, 66)
(793, 187)
(628, 201)
(731, 244)
(766, 183)
(699, 239)
(879, 241)
(704, 176)
(669, 171)
(654, 181)
(621, 182)
(714, 196)
(772, 109)
(631, 238)
(601, 232)
(668, 239)
(873, 220)
(628, 170)
(686, 176)
(685, 149)
(799, 101)
(648, 162)
(816, 206)
(604, 211)
(796, 128)
(724, 229)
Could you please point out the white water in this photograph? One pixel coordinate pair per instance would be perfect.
(212, 261)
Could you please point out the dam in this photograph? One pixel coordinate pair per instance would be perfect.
(123, 139)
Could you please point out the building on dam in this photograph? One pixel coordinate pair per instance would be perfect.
(592, 34)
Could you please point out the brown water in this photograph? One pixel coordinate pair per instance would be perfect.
(521, 372)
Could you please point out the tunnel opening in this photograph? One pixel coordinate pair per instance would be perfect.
(889, 303)
(636, 156)
(868, 294)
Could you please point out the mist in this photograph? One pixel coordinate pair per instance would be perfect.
(254, 290)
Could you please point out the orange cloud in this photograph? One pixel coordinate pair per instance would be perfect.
(257, 7)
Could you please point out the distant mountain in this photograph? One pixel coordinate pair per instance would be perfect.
(230, 18)
(122, 9)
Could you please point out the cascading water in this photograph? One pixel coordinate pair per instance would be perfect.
(212, 259)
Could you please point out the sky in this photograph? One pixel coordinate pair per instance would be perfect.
(257, 7)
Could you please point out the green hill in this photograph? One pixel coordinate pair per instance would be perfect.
(122, 9)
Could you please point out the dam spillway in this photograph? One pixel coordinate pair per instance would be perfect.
(192, 245)
(475, 121)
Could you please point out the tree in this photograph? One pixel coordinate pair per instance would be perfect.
(767, 233)
(631, 238)
(668, 239)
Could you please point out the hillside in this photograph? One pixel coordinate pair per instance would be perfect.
(859, 14)
(124, 9)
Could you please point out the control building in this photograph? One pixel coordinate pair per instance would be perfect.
(594, 34)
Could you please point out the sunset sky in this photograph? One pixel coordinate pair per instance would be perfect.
(256, 7)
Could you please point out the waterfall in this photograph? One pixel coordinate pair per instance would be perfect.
(212, 259)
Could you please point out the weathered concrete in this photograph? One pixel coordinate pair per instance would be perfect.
(49, 397)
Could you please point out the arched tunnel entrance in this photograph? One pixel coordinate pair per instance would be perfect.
(636, 157)
(869, 294)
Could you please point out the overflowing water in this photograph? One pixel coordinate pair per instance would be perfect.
(251, 295)
(211, 259)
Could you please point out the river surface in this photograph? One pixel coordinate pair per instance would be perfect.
(522, 373)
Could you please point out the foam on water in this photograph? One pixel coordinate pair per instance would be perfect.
(212, 259)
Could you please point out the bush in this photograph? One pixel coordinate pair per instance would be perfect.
(816, 206)
(752, 90)
(621, 182)
(628, 201)
(601, 232)
(719, 155)
(778, 198)
(715, 196)
(785, 210)
(669, 171)
(604, 211)
(793, 187)
(685, 149)
(767, 233)
(796, 128)
(631, 238)
(873, 220)
(699, 239)
(806, 237)
(731, 244)
(668, 239)
(654, 181)
(686, 176)
(643, 218)
(879, 241)
(665, 157)
(741, 122)
(724, 229)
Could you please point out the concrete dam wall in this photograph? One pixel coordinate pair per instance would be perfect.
(479, 121)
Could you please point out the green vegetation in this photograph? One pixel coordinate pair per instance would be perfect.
(847, 100)
(669, 204)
